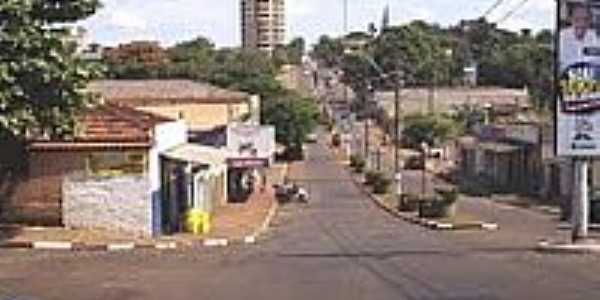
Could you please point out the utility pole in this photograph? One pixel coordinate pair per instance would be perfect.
(581, 205)
(345, 92)
(397, 174)
(367, 146)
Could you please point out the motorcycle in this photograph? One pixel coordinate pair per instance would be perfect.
(291, 192)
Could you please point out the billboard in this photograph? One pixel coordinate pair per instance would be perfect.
(247, 142)
(578, 77)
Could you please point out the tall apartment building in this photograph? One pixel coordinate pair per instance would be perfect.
(263, 24)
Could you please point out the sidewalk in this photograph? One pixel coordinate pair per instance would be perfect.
(232, 223)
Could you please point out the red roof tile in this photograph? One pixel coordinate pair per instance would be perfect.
(109, 125)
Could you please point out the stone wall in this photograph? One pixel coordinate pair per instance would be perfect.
(120, 203)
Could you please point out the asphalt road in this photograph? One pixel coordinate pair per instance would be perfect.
(339, 246)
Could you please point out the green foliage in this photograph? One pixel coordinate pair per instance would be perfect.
(43, 80)
(328, 51)
(371, 176)
(290, 54)
(430, 129)
(293, 116)
(468, 115)
(245, 70)
(427, 54)
(417, 49)
(378, 181)
(449, 196)
(357, 163)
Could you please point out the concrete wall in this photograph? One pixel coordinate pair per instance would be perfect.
(116, 203)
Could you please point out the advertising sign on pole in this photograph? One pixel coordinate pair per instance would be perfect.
(578, 76)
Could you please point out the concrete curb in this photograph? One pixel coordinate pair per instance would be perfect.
(547, 247)
(567, 226)
(427, 223)
(251, 239)
(77, 246)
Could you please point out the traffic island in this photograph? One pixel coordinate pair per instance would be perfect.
(457, 222)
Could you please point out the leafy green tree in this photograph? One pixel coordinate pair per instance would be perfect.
(294, 118)
(190, 59)
(430, 129)
(416, 49)
(43, 80)
(328, 51)
(295, 50)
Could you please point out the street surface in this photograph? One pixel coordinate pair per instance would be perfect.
(339, 246)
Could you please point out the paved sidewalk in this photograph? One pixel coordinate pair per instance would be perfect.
(235, 221)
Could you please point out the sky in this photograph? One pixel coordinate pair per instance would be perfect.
(171, 21)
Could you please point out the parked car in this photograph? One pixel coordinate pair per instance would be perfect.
(415, 162)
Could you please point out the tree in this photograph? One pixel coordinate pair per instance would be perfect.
(416, 49)
(430, 129)
(295, 50)
(42, 78)
(328, 51)
(245, 70)
(190, 59)
(294, 117)
(136, 60)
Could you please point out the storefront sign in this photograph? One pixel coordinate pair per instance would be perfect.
(250, 141)
(239, 163)
(578, 67)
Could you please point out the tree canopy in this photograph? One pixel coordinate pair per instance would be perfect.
(434, 130)
(428, 54)
(244, 70)
(42, 79)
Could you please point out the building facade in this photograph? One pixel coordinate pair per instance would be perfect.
(202, 106)
(263, 24)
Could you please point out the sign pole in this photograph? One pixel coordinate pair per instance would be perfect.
(581, 204)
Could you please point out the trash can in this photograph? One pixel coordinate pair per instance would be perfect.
(198, 221)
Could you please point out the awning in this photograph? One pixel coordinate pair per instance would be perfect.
(197, 154)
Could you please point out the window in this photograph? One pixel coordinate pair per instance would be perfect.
(116, 163)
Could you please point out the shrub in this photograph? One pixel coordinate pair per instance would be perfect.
(448, 196)
(357, 163)
(408, 203)
(371, 177)
(381, 185)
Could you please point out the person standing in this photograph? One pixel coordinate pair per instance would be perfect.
(576, 38)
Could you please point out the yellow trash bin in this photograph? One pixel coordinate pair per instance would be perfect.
(198, 221)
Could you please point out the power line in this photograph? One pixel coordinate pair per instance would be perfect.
(512, 11)
(492, 8)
